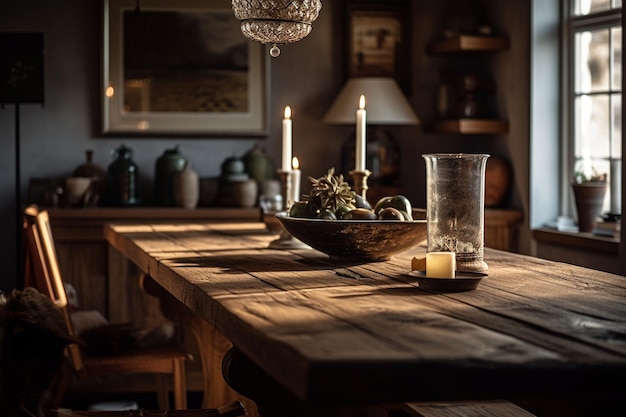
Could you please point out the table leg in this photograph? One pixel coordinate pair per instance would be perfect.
(272, 399)
(212, 346)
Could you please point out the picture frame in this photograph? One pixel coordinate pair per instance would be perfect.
(181, 68)
(378, 40)
(21, 67)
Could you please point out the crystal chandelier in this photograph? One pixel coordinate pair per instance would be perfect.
(276, 21)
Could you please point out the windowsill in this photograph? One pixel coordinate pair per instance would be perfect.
(578, 240)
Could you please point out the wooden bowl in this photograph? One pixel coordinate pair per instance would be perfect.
(359, 240)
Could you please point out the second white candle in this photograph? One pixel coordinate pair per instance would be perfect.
(295, 180)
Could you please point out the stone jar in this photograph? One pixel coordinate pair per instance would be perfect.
(89, 169)
(245, 193)
(186, 187)
(258, 165)
(123, 178)
(167, 165)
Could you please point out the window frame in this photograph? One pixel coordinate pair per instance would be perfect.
(573, 24)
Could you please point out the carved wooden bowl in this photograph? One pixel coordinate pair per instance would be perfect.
(358, 240)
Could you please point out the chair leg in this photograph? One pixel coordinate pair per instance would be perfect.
(180, 385)
(59, 389)
(162, 391)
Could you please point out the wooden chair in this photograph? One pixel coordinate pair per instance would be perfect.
(32, 351)
(43, 268)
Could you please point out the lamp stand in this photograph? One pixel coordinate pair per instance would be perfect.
(21, 82)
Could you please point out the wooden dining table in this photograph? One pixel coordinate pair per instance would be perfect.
(333, 331)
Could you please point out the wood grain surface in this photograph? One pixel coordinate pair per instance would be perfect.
(365, 332)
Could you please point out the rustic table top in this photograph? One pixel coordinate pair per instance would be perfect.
(335, 330)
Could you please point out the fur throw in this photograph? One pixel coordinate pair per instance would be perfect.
(34, 338)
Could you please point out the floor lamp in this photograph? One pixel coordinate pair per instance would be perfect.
(21, 82)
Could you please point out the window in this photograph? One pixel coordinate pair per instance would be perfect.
(594, 92)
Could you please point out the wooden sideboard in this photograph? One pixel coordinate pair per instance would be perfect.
(501, 228)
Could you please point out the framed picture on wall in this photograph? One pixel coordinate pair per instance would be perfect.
(21, 67)
(379, 40)
(181, 68)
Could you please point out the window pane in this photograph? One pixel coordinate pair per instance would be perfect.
(604, 166)
(616, 57)
(592, 127)
(592, 61)
(585, 7)
(616, 145)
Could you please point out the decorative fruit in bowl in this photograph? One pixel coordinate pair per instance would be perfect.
(331, 198)
(333, 219)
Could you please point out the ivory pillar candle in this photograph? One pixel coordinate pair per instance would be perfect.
(287, 137)
(440, 264)
(295, 180)
(361, 143)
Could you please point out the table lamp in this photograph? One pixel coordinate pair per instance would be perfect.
(386, 105)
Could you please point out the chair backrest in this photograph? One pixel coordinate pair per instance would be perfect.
(41, 256)
(45, 272)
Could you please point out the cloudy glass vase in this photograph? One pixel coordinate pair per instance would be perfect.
(455, 206)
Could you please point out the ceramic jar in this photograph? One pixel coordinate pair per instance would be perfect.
(244, 193)
(89, 169)
(186, 186)
(497, 181)
(167, 165)
(258, 165)
(233, 171)
(123, 178)
(77, 190)
(95, 173)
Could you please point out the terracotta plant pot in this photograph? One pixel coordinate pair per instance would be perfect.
(589, 198)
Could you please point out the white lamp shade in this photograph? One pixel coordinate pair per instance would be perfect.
(384, 101)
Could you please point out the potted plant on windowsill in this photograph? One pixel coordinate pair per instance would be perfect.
(589, 191)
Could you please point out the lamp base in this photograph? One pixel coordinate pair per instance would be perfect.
(382, 159)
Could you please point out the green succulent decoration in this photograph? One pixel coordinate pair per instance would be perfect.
(581, 176)
(329, 192)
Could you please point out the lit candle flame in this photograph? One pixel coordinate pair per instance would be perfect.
(287, 112)
(295, 163)
(362, 102)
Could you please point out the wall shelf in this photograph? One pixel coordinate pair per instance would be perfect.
(470, 126)
(468, 43)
